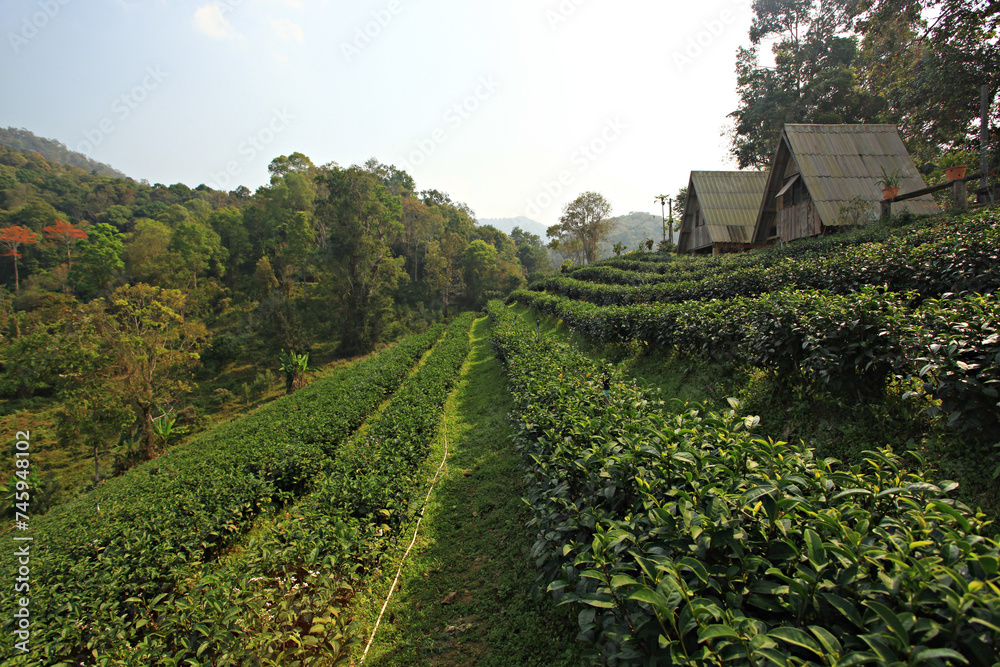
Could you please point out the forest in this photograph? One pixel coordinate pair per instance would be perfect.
(132, 311)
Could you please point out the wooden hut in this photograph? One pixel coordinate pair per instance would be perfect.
(821, 173)
(720, 211)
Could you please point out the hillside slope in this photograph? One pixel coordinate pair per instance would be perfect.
(54, 151)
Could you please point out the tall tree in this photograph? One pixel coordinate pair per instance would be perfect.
(147, 257)
(99, 260)
(815, 77)
(565, 245)
(421, 224)
(64, 234)
(532, 253)
(199, 248)
(930, 57)
(286, 164)
(480, 260)
(444, 271)
(362, 218)
(228, 224)
(11, 238)
(918, 64)
(585, 219)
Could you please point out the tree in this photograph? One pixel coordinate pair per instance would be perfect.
(94, 415)
(264, 280)
(35, 215)
(65, 234)
(443, 270)
(917, 64)
(930, 58)
(10, 239)
(586, 219)
(421, 224)
(174, 215)
(480, 261)
(815, 78)
(147, 257)
(151, 347)
(228, 224)
(117, 216)
(100, 259)
(565, 245)
(298, 249)
(295, 367)
(362, 218)
(397, 181)
(532, 253)
(283, 165)
(198, 247)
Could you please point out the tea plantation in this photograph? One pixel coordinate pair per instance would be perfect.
(244, 545)
(829, 500)
(676, 534)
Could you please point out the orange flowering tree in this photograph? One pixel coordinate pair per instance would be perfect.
(65, 234)
(10, 239)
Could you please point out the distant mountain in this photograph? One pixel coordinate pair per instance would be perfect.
(507, 225)
(53, 151)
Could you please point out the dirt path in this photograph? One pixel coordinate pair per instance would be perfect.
(464, 596)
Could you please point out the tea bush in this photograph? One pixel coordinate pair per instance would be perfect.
(686, 540)
(139, 536)
(953, 256)
(282, 597)
(853, 343)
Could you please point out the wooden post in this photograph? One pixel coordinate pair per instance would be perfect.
(886, 210)
(961, 193)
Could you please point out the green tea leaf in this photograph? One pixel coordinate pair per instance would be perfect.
(829, 642)
(939, 654)
(716, 631)
(814, 548)
(796, 637)
(849, 611)
(891, 620)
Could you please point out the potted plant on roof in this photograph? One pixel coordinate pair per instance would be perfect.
(889, 183)
(955, 163)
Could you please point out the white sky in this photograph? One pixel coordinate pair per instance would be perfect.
(199, 91)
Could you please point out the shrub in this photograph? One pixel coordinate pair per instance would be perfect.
(686, 540)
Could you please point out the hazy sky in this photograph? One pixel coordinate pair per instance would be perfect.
(513, 107)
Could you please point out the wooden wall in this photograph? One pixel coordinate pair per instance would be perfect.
(799, 221)
(700, 239)
(796, 220)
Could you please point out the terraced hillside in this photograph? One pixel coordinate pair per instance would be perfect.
(244, 545)
(678, 534)
(859, 317)
(827, 500)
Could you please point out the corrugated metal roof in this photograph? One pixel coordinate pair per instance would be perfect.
(842, 162)
(729, 201)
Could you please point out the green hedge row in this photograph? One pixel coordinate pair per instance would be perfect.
(139, 534)
(853, 344)
(669, 267)
(957, 256)
(686, 540)
(282, 597)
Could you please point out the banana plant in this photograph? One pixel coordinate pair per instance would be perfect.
(294, 366)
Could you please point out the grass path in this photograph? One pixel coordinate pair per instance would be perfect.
(472, 550)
